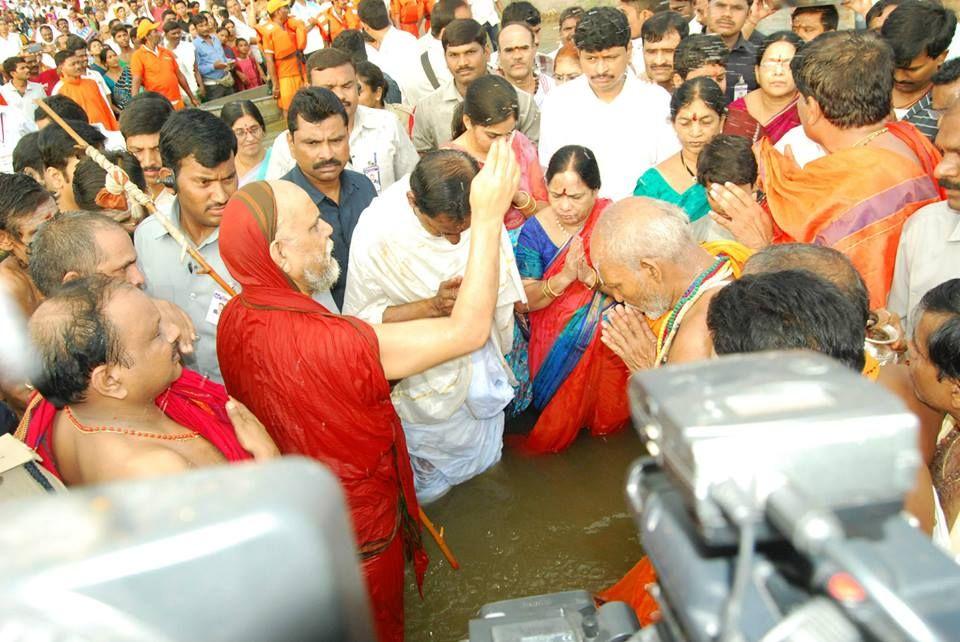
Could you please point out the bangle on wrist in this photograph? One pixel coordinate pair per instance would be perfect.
(547, 290)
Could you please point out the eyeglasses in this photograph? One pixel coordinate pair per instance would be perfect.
(254, 131)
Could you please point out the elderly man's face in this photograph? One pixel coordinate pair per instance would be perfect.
(303, 248)
(118, 257)
(937, 392)
(639, 286)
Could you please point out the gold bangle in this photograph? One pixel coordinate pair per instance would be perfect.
(548, 290)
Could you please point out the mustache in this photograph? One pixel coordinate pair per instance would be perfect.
(947, 184)
(327, 163)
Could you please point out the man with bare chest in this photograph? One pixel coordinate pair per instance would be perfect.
(114, 401)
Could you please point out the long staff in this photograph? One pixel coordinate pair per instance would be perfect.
(137, 195)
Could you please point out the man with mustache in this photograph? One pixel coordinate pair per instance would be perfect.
(620, 118)
(518, 47)
(726, 19)
(140, 123)
(317, 131)
(919, 35)
(199, 149)
(467, 52)
(661, 36)
(929, 249)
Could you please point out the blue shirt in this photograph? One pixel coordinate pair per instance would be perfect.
(209, 53)
(356, 194)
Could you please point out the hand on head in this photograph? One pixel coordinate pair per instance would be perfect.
(492, 189)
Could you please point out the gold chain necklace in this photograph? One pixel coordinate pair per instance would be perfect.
(126, 431)
(869, 137)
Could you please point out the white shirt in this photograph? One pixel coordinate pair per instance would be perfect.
(304, 11)
(695, 26)
(484, 12)
(25, 102)
(438, 62)
(243, 30)
(89, 74)
(13, 127)
(804, 150)
(379, 149)
(628, 136)
(545, 85)
(636, 58)
(10, 46)
(186, 55)
(398, 57)
(928, 255)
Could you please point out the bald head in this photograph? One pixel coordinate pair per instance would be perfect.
(302, 247)
(294, 209)
(824, 262)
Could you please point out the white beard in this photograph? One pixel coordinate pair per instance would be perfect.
(321, 281)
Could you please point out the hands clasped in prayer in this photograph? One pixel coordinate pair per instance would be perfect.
(627, 333)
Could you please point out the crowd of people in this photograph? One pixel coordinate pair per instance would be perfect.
(458, 227)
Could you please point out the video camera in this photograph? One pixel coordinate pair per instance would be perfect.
(771, 510)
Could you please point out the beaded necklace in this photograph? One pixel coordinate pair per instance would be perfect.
(126, 431)
(719, 270)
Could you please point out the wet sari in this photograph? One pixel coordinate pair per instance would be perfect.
(577, 381)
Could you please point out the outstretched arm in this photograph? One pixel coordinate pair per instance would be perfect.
(414, 346)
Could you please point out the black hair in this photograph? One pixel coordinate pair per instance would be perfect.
(89, 178)
(20, 195)
(441, 183)
(234, 111)
(779, 36)
(62, 56)
(521, 11)
(351, 41)
(727, 159)
(829, 16)
(144, 115)
(948, 73)
(314, 105)
(57, 147)
(10, 64)
(70, 346)
(570, 12)
(75, 43)
(877, 10)
(463, 32)
(698, 50)
(373, 13)
(705, 89)
(578, 159)
(197, 133)
(443, 13)
(850, 75)
(26, 155)
(104, 54)
(788, 310)
(602, 28)
(658, 26)
(372, 76)
(171, 25)
(943, 344)
(916, 28)
(63, 106)
(490, 100)
(328, 58)
(198, 19)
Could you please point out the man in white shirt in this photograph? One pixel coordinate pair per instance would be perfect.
(13, 127)
(185, 53)
(929, 249)
(245, 31)
(379, 148)
(637, 12)
(485, 12)
(19, 92)
(433, 70)
(686, 9)
(10, 43)
(394, 51)
(308, 12)
(621, 119)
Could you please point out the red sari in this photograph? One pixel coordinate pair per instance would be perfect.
(192, 401)
(315, 381)
(739, 122)
(577, 381)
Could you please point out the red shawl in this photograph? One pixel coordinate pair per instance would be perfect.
(315, 380)
(192, 401)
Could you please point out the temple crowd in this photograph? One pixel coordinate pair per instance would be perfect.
(455, 227)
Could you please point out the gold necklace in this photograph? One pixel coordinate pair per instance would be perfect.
(869, 137)
(564, 229)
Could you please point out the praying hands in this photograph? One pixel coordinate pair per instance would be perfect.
(626, 332)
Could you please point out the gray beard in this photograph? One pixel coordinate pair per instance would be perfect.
(322, 281)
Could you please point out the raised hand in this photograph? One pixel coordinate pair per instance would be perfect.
(492, 189)
(740, 213)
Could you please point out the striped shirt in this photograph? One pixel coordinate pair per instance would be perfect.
(924, 118)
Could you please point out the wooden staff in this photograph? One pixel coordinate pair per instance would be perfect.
(137, 194)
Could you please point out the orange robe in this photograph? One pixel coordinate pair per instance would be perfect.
(334, 21)
(855, 200)
(284, 43)
(85, 93)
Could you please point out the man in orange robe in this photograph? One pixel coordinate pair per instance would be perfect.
(283, 38)
(84, 91)
(875, 174)
(341, 16)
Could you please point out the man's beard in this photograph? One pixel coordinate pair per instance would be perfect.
(321, 278)
(653, 307)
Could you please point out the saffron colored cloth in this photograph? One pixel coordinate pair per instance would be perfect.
(577, 381)
(855, 200)
(85, 93)
(739, 122)
(288, 87)
(192, 401)
(531, 177)
(315, 381)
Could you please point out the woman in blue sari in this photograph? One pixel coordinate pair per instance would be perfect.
(697, 109)
(577, 381)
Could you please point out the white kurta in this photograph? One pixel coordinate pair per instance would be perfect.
(452, 414)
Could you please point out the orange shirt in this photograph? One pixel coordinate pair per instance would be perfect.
(85, 93)
(408, 13)
(284, 43)
(332, 22)
(157, 72)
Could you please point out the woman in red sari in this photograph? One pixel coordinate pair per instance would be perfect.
(771, 110)
(577, 381)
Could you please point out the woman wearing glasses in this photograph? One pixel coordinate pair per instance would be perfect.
(771, 110)
(252, 159)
